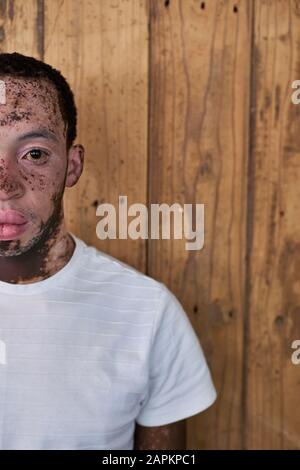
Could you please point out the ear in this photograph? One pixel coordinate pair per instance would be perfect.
(75, 164)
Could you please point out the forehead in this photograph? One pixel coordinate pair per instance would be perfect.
(30, 101)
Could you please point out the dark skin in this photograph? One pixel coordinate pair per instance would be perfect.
(168, 437)
(35, 169)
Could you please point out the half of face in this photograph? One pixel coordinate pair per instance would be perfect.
(35, 165)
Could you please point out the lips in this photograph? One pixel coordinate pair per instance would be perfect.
(12, 218)
(12, 224)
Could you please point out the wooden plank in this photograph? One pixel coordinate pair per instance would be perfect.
(20, 27)
(273, 386)
(199, 104)
(102, 49)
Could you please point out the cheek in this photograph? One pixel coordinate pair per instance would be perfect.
(48, 182)
(43, 192)
(34, 181)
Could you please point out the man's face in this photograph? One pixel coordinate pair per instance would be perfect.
(33, 164)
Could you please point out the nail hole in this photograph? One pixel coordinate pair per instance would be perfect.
(279, 320)
(281, 213)
(195, 308)
(202, 6)
(167, 3)
(95, 203)
(235, 9)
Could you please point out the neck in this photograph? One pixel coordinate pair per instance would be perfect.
(45, 258)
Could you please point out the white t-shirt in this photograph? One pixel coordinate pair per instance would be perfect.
(89, 351)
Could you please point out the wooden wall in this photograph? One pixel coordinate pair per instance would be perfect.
(190, 101)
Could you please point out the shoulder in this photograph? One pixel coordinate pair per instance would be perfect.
(114, 275)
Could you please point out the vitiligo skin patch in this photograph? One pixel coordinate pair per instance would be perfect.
(2, 92)
(35, 191)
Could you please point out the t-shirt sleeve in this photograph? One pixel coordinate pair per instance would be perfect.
(180, 383)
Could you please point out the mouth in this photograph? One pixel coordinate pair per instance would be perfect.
(12, 231)
(12, 224)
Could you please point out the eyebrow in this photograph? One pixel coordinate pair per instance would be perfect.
(40, 133)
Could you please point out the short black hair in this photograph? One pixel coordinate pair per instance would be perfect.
(19, 65)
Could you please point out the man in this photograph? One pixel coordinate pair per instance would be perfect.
(94, 354)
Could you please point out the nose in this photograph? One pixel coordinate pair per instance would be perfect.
(10, 185)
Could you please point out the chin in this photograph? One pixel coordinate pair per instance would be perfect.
(17, 246)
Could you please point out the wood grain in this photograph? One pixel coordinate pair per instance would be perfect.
(199, 108)
(20, 27)
(274, 296)
(102, 49)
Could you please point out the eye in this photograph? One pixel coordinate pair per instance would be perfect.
(37, 155)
